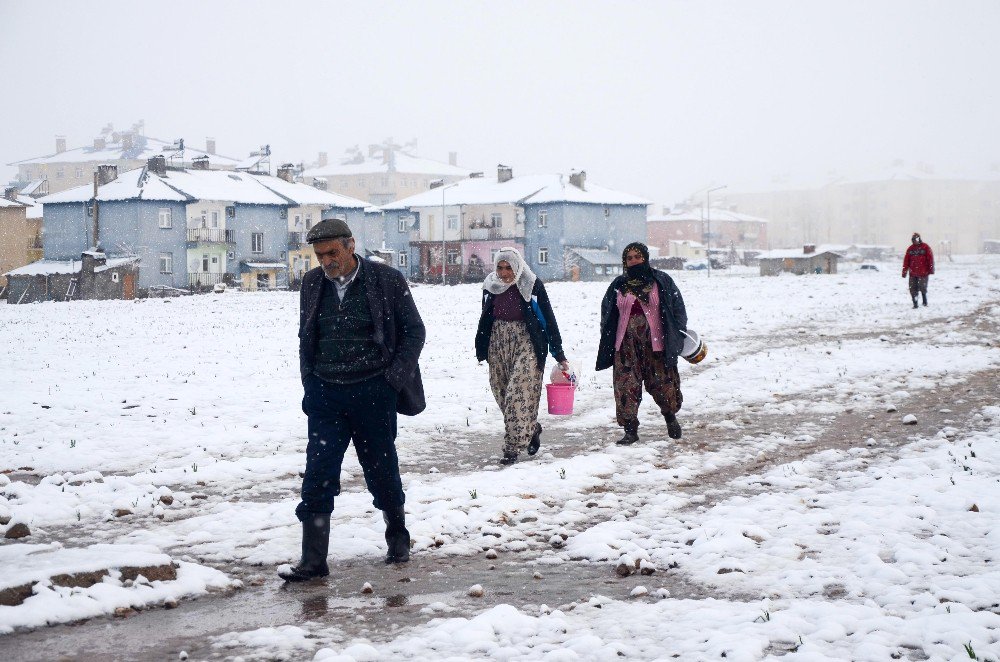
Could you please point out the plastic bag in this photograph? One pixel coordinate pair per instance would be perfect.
(558, 376)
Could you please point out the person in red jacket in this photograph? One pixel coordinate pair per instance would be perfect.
(919, 261)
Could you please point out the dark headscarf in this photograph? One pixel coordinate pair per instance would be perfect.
(639, 277)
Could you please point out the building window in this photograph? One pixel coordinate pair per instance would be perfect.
(493, 255)
(256, 242)
(599, 271)
(283, 213)
(114, 276)
(452, 222)
(404, 259)
(166, 220)
(543, 256)
(79, 173)
(496, 220)
(607, 212)
(401, 224)
(543, 219)
(215, 219)
(166, 263)
(298, 220)
(60, 173)
(452, 256)
(361, 182)
(231, 211)
(306, 263)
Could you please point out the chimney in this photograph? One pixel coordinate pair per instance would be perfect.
(504, 173)
(127, 142)
(157, 165)
(60, 144)
(322, 161)
(100, 143)
(10, 193)
(286, 171)
(106, 173)
(210, 145)
(436, 183)
(371, 150)
(453, 158)
(579, 179)
(809, 249)
(200, 163)
(320, 184)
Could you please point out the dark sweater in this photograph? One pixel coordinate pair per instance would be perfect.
(345, 350)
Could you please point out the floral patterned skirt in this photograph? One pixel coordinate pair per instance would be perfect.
(516, 382)
(636, 365)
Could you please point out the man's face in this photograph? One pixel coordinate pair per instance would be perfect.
(335, 259)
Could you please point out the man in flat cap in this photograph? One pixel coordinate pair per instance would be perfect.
(360, 336)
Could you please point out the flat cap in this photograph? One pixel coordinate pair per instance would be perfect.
(331, 228)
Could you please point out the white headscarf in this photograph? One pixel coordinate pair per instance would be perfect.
(523, 276)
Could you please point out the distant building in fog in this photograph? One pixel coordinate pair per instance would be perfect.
(684, 231)
(389, 172)
(954, 214)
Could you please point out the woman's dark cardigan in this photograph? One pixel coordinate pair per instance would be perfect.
(672, 313)
(540, 340)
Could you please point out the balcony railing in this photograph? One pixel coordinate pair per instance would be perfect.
(206, 279)
(211, 235)
(296, 239)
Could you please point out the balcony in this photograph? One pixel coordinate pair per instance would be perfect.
(489, 234)
(296, 240)
(211, 236)
(199, 279)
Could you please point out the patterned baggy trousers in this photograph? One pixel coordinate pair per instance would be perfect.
(635, 365)
(516, 381)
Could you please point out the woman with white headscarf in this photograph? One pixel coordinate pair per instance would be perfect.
(516, 328)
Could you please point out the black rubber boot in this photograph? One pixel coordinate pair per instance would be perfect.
(925, 298)
(915, 302)
(631, 434)
(673, 427)
(508, 458)
(315, 545)
(396, 535)
(536, 440)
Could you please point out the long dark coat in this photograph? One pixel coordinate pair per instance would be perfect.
(672, 314)
(399, 331)
(540, 340)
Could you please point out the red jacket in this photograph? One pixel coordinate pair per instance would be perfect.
(919, 260)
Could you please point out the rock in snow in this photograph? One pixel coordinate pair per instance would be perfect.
(909, 419)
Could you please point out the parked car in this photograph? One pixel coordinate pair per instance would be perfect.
(695, 266)
(868, 267)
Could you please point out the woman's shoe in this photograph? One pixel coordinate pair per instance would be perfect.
(536, 440)
(508, 458)
(631, 435)
(673, 427)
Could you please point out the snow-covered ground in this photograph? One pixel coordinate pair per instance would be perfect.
(171, 429)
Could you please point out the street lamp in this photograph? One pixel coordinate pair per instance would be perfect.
(708, 224)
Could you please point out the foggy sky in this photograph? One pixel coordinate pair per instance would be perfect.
(659, 99)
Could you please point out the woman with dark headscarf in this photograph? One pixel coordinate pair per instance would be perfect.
(642, 320)
(516, 328)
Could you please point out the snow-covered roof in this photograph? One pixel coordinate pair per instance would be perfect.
(785, 253)
(266, 265)
(219, 185)
(34, 206)
(598, 256)
(52, 267)
(143, 147)
(32, 186)
(303, 194)
(525, 189)
(5, 203)
(688, 242)
(698, 215)
(404, 163)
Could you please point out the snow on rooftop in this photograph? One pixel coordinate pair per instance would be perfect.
(143, 147)
(54, 267)
(34, 208)
(697, 214)
(221, 185)
(525, 189)
(404, 163)
(784, 253)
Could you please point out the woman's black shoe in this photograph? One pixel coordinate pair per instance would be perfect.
(508, 458)
(536, 440)
(673, 427)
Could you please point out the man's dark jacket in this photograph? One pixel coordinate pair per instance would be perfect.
(540, 339)
(399, 331)
(672, 314)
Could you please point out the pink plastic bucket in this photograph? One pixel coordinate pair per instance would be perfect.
(560, 397)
